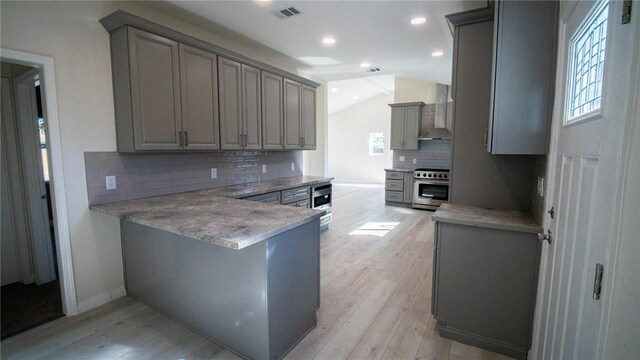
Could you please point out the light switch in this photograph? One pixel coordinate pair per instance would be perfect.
(401, 158)
(264, 169)
(214, 173)
(415, 161)
(111, 182)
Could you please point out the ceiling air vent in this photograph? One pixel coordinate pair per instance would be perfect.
(372, 70)
(287, 13)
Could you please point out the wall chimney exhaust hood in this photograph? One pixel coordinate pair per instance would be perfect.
(439, 130)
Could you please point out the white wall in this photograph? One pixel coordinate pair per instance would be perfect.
(71, 34)
(348, 141)
(409, 90)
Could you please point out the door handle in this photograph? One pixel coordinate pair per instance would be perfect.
(543, 236)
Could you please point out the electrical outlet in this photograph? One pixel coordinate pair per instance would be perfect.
(264, 169)
(540, 186)
(401, 158)
(111, 182)
(293, 167)
(214, 173)
(415, 161)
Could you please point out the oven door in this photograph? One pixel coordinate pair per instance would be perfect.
(429, 194)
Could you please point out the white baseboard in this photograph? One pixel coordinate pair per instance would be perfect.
(101, 299)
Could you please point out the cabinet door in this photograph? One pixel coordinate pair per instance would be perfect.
(292, 132)
(408, 188)
(308, 119)
(155, 91)
(230, 95)
(272, 112)
(524, 77)
(412, 118)
(199, 84)
(397, 128)
(251, 119)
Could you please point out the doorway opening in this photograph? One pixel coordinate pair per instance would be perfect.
(30, 289)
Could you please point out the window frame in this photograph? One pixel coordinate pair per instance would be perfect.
(597, 113)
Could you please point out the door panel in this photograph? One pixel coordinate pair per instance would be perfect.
(308, 120)
(155, 91)
(230, 95)
(292, 113)
(251, 119)
(397, 129)
(272, 112)
(411, 127)
(199, 74)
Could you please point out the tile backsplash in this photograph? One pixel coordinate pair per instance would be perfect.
(433, 154)
(146, 175)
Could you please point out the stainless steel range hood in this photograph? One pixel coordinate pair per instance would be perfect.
(439, 131)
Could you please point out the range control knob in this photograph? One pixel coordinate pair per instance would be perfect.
(446, 176)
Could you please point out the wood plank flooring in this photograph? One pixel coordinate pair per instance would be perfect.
(375, 301)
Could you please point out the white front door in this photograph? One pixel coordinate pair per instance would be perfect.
(586, 152)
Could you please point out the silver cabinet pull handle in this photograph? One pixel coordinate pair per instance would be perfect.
(180, 138)
(186, 138)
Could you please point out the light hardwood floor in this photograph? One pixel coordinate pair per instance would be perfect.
(375, 304)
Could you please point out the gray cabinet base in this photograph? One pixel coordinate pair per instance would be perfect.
(259, 301)
(482, 342)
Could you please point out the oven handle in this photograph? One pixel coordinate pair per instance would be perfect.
(317, 193)
(430, 182)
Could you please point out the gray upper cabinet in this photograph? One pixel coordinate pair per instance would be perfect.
(525, 34)
(308, 120)
(251, 108)
(272, 112)
(405, 125)
(240, 113)
(199, 85)
(151, 94)
(173, 92)
(292, 99)
(230, 95)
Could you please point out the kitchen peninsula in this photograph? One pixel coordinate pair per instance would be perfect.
(243, 273)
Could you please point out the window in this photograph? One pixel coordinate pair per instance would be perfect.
(587, 65)
(376, 144)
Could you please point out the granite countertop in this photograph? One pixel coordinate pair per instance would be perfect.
(400, 170)
(489, 218)
(215, 216)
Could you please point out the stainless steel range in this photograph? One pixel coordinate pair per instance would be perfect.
(430, 188)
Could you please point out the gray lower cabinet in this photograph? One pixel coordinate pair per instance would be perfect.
(259, 301)
(240, 105)
(398, 187)
(299, 116)
(405, 125)
(525, 35)
(199, 90)
(269, 198)
(272, 112)
(484, 286)
(298, 197)
(146, 81)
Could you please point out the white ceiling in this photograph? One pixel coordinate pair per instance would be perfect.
(345, 93)
(377, 32)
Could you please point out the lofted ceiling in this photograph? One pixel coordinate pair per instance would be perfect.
(375, 32)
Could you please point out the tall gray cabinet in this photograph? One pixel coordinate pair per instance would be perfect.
(240, 112)
(405, 125)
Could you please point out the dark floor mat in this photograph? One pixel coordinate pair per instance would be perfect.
(27, 306)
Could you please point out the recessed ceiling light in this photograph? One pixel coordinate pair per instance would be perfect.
(355, 97)
(437, 53)
(365, 65)
(263, 1)
(418, 21)
(328, 40)
(334, 90)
